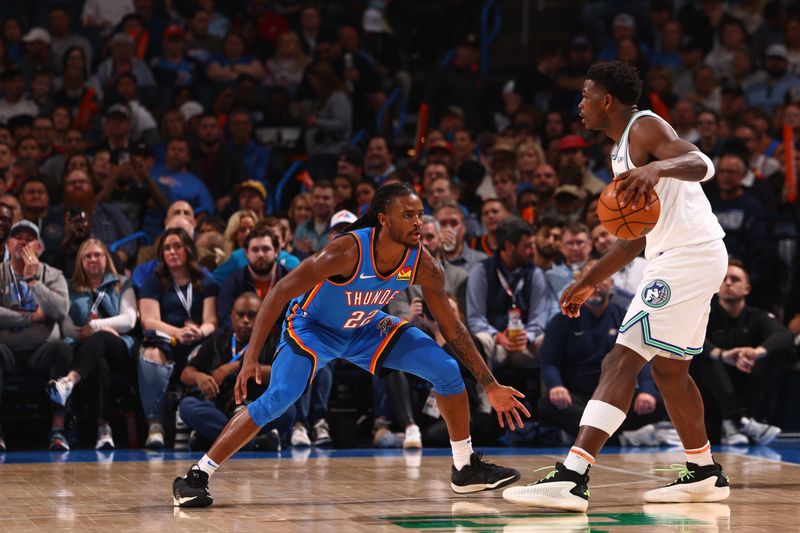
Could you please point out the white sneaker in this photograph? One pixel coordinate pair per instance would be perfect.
(694, 484)
(759, 433)
(386, 438)
(300, 436)
(667, 434)
(322, 433)
(59, 390)
(105, 440)
(644, 436)
(731, 435)
(413, 437)
(155, 437)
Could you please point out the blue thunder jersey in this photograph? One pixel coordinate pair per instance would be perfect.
(343, 318)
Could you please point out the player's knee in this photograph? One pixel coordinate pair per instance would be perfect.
(275, 401)
(447, 379)
(667, 374)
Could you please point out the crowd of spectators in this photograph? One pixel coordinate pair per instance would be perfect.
(141, 147)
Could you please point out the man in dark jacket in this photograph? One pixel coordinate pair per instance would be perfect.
(213, 368)
(262, 272)
(506, 284)
(572, 354)
(743, 356)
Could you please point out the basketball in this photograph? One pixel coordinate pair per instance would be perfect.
(630, 221)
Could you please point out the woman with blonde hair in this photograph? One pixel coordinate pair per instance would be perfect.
(300, 210)
(239, 225)
(529, 156)
(286, 67)
(102, 311)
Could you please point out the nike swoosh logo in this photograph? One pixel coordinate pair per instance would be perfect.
(362, 276)
(186, 499)
(579, 333)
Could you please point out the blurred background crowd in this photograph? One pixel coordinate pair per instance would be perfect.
(164, 163)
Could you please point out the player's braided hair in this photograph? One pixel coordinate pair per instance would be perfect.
(380, 202)
(621, 80)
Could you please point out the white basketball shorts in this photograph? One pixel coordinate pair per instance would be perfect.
(669, 312)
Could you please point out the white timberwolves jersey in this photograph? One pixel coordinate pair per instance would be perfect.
(686, 217)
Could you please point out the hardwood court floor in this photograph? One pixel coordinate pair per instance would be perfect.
(376, 492)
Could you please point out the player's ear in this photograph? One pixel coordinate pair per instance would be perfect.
(381, 219)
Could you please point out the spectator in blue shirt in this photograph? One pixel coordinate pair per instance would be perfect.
(178, 310)
(178, 184)
(772, 92)
(173, 66)
(572, 354)
(260, 163)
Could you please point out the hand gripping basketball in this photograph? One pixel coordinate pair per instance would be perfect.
(625, 218)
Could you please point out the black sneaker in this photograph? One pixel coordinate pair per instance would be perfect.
(192, 490)
(694, 484)
(479, 475)
(562, 489)
(267, 441)
(58, 441)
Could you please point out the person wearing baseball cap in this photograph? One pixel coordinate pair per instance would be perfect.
(173, 67)
(252, 195)
(572, 159)
(772, 92)
(34, 300)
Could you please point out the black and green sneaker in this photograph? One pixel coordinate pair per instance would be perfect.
(562, 489)
(694, 484)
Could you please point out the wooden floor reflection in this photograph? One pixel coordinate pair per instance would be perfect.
(379, 494)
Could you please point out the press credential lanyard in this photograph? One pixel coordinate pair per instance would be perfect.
(507, 287)
(235, 356)
(186, 301)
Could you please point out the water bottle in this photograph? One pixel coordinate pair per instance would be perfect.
(515, 325)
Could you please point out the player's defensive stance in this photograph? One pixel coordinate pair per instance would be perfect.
(335, 299)
(666, 322)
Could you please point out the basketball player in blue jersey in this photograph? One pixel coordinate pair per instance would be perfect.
(334, 300)
(666, 321)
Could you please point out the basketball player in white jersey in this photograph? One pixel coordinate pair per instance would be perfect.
(666, 322)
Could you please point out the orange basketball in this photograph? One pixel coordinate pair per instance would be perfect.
(630, 221)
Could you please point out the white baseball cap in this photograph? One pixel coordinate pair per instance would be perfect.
(343, 217)
(37, 34)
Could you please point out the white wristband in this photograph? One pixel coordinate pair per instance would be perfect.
(707, 161)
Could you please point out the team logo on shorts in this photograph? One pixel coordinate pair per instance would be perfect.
(656, 293)
(404, 274)
(385, 325)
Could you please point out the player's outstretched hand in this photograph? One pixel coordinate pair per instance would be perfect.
(637, 184)
(250, 369)
(574, 297)
(504, 400)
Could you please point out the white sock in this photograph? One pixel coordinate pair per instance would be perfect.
(578, 460)
(207, 465)
(462, 450)
(700, 456)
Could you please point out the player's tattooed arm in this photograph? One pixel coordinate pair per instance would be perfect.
(431, 277)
